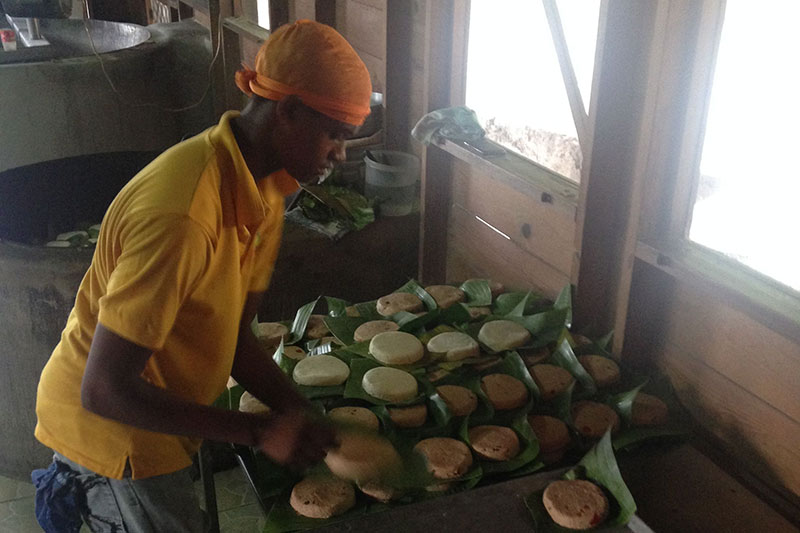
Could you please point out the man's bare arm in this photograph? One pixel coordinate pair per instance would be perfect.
(113, 387)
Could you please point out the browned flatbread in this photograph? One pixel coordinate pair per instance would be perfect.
(460, 400)
(553, 437)
(648, 410)
(592, 419)
(575, 504)
(322, 497)
(445, 458)
(495, 443)
(552, 380)
(367, 330)
(604, 371)
(504, 392)
(398, 301)
(445, 295)
(409, 417)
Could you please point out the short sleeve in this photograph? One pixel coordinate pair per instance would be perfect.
(161, 260)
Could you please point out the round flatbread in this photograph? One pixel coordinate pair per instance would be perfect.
(552, 380)
(445, 458)
(648, 410)
(320, 371)
(294, 352)
(322, 497)
(316, 328)
(445, 295)
(575, 504)
(390, 384)
(380, 492)
(409, 417)
(362, 457)
(495, 443)
(358, 416)
(367, 330)
(396, 348)
(534, 356)
(553, 437)
(500, 335)
(592, 419)
(504, 392)
(460, 400)
(250, 404)
(604, 371)
(453, 346)
(270, 334)
(398, 301)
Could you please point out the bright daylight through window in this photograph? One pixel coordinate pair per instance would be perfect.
(747, 203)
(515, 84)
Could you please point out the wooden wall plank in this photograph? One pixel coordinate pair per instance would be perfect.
(533, 225)
(397, 91)
(750, 428)
(747, 353)
(473, 249)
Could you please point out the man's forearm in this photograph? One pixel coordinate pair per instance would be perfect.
(143, 405)
(255, 370)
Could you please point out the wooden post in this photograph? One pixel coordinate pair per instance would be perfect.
(436, 167)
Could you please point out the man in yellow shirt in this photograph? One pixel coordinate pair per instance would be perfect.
(163, 315)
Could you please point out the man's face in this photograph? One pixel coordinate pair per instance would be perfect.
(311, 143)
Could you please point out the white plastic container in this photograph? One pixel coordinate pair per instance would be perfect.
(393, 183)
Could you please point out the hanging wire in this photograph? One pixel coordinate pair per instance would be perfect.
(151, 104)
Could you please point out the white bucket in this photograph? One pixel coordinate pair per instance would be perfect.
(394, 184)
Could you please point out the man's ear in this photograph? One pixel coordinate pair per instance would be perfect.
(288, 107)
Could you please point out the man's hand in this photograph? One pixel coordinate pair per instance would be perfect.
(294, 438)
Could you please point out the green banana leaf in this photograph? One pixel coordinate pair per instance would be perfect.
(315, 393)
(564, 357)
(300, 322)
(336, 306)
(369, 310)
(599, 466)
(564, 302)
(507, 302)
(622, 403)
(415, 288)
(455, 314)
(478, 292)
(411, 323)
(229, 399)
(284, 363)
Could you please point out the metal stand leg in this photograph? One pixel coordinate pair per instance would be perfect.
(209, 490)
(247, 461)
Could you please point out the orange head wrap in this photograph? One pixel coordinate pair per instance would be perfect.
(314, 62)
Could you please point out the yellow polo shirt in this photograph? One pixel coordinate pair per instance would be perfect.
(179, 249)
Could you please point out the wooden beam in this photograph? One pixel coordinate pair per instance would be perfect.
(398, 77)
(568, 73)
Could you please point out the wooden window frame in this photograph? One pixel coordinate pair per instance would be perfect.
(663, 241)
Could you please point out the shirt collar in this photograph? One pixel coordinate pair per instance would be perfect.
(251, 198)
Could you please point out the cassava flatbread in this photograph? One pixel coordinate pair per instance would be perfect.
(445, 295)
(250, 404)
(322, 497)
(479, 312)
(604, 371)
(390, 384)
(495, 443)
(553, 437)
(445, 458)
(362, 457)
(367, 330)
(320, 371)
(316, 328)
(552, 380)
(453, 346)
(648, 410)
(396, 348)
(592, 419)
(398, 301)
(271, 333)
(294, 352)
(460, 400)
(495, 287)
(575, 504)
(409, 417)
(359, 416)
(504, 392)
(500, 335)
